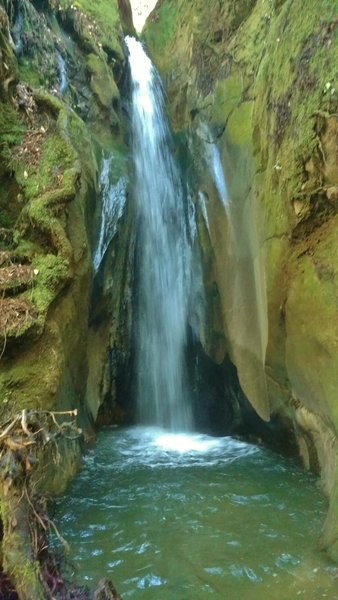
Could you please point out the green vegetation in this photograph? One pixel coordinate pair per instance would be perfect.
(97, 23)
(56, 158)
(11, 131)
(228, 94)
(292, 85)
(104, 14)
(162, 34)
(30, 73)
(48, 173)
(102, 82)
(51, 274)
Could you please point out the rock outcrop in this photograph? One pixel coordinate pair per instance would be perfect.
(253, 94)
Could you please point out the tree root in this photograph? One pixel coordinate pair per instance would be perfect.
(29, 569)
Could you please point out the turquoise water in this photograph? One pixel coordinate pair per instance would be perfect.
(188, 517)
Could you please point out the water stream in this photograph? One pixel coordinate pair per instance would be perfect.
(188, 517)
(163, 255)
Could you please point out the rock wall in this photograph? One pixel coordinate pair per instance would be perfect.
(62, 70)
(253, 91)
(60, 110)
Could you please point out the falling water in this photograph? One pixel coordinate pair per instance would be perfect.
(202, 200)
(113, 200)
(17, 33)
(63, 76)
(163, 255)
(215, 165)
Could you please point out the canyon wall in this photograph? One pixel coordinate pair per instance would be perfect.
(252, 91)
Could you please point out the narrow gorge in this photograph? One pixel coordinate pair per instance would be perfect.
(168, 308)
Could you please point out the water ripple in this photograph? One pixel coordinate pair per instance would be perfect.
(194, 516)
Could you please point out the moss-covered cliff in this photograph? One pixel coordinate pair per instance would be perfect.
(52, 141)
(255, 85)
(61, 72)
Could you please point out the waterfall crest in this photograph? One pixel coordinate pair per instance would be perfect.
(163, 255)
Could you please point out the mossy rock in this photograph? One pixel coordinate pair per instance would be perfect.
(165, 18)
(227, 96)
(30, 73)
(12, 128)
(102, 82)
(56, 159)
(239, 126)
(312, 324)
(97, 24)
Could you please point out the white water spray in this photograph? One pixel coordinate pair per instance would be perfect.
(163, 255)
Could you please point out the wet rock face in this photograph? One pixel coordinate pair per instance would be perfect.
(259, 82)
(61, 68)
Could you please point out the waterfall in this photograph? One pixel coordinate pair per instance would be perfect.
(163, 255)
(112, 201)
(17, 33)
(202, 200)
(63, 76)
(214, 162)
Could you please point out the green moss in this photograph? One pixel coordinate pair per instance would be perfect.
(56, 158)
(291, 85)
(165, 17)
(104, 13)
(25, 573)
(227, 95)
(102, 82)
(5, 219)
(312, 326)
(11, 130)
(8, 73)
(239, 127)
(51, 274)
(29, 73)
(100, 25)
(48, 102)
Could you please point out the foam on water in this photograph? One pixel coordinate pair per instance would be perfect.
(192, 516)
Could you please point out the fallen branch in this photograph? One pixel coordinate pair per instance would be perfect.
(26, 525)
(31, 570)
